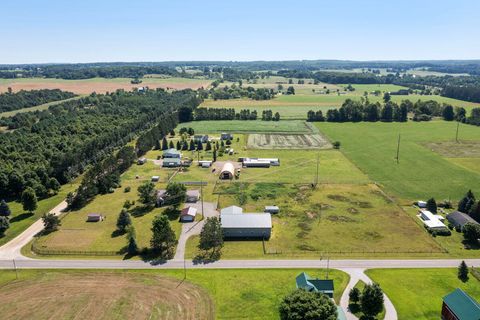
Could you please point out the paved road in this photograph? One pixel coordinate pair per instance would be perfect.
(193, 228)
(11, 250)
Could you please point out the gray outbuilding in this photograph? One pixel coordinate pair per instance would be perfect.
(272, 209)
(248, 225)
(459, 219)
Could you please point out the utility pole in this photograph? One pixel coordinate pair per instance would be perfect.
(456, 135)
(328, 265)
(184, 269)
(316, 174)
(16, 270)
(398, 149)
(201, 196)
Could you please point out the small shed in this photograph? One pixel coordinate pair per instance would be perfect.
(231, 210)
(141, 161)
(94, 217)
(205, 163)
(459, 219)
(161, 195)
(192, 196)
(421, 204)
(458, 305)
(307, 283)
(171, 162)
(155, 178)
(171, 153)
(272, 209)
(188, 214)
(248, 225)
(228, 171)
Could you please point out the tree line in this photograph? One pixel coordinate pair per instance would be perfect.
(10, 101)
(237, 91)
(76, 133)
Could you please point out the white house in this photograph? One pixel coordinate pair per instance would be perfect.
(431, 220)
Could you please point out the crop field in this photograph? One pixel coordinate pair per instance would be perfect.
(141, 294)
(417, 293)
(332, 220)
(421, 173)
(104, 295)
(250, 126)
(99, 85)
(291, 141)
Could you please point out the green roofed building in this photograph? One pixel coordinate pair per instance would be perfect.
(305, 282)
(458, 305)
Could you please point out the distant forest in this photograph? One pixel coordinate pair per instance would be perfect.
(23, 99)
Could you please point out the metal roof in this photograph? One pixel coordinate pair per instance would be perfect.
(247, 220)
(460, 218)
(189, 211)
(462, 305)
(171, 151)
(231, 210)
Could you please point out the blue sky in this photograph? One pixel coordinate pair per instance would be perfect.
(107, 30)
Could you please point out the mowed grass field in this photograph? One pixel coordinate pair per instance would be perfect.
(337, 220)
(100, 85)
(236, 293)
(417, 293)
(421, 172)
(75, 234)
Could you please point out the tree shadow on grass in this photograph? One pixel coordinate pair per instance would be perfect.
(140, 211)
(471, 245)
(117, 233)
(21, 217)
(206, 257)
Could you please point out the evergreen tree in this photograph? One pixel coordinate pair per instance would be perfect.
(208, 147)
(467, 202)
(163, 237)
(276, 117)
(29, 200)
(371, 301)
(475, 212)
(51, 222)
(4, 209)
(176, 193)
(185, 146)
(215, 154)
(170, 144)
(354, 295)
(192, 145)
(386, 97)
(387, 113)
(471, 232)
(157, 146)
(172, 133)
(132, 247)
(4, 225)
(199, 146)
(178, 146)
(164, 144)
(463, 271)
(123, 220)
(432, 205)
(211, 237)
(448, 114)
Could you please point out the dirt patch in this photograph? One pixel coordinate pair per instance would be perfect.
(104, 296)
(338, 197)
(288, 141)
(335, 218)
(352, 210)
(453, 149)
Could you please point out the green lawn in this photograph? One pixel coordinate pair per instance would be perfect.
(421, 173)
(20, 220)
(334, 220)
(237, 293)
(417, 293)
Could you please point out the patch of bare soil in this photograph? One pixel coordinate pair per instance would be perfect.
(453, 149)
(288, 141)
(104, 296)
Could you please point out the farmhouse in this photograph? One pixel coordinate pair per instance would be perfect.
(458, 305)
(226, 136)
(200, 138)
(459, 219)
(231, 210)
(155, 178)
(228, 171)
(171, 162)
(161, 195)
(248, 225)
(94, 217)
(307, 283)
(141, 161)
(192, 196)
(431, 220)
(171, 153)
(272, 209)
(188, 214)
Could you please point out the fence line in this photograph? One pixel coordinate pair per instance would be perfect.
(47, 252)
